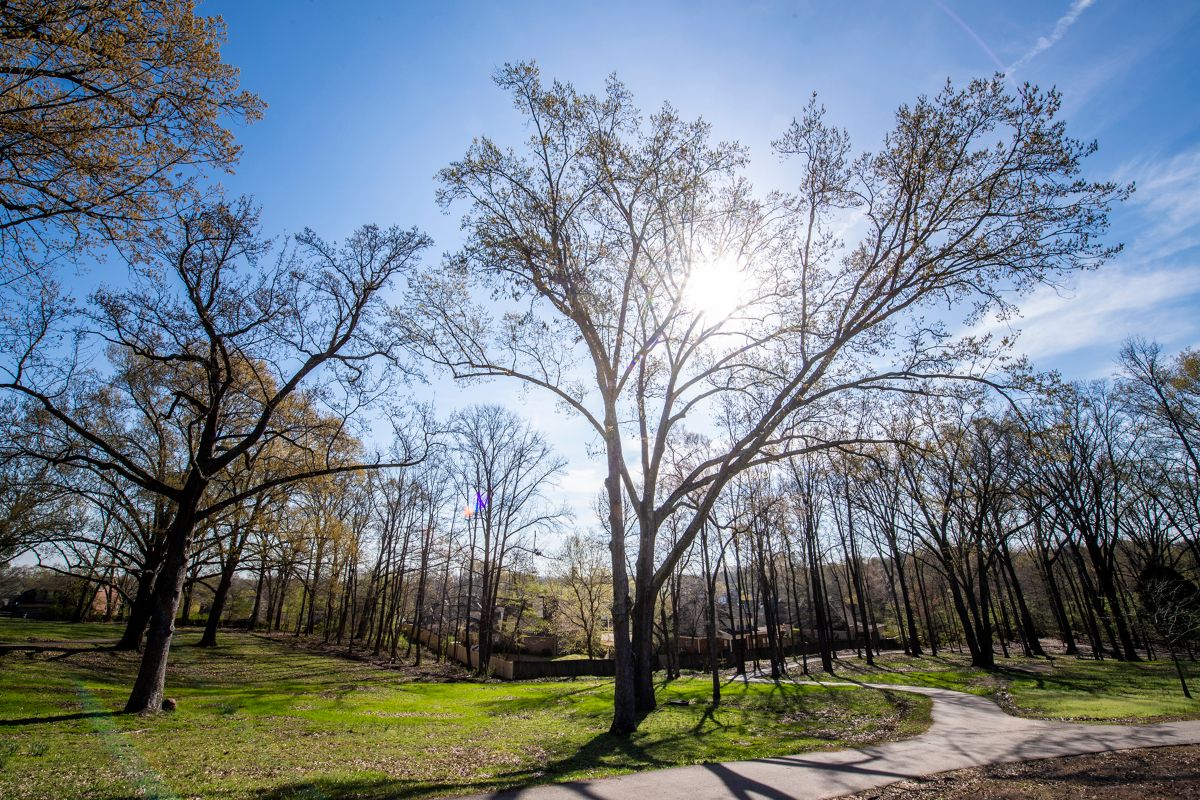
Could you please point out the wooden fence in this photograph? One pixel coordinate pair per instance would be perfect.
(518, 668)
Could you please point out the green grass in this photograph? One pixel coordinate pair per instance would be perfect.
(1063, 688)
(1088, 690)
(26, 631)
(943, 672)
(262, 720)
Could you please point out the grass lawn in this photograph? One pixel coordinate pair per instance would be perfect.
(944, 672)
(28, 631)
(1063, 688)
(260, 719)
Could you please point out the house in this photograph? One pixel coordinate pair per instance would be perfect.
(60, 604)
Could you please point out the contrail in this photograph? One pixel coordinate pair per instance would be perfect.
(970, 32)
(1044, 43)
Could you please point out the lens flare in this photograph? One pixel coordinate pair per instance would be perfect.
(715, 288)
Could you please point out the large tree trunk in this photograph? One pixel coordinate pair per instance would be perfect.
(625, 718)
(985, 656)
(644, 657)
(147, 694)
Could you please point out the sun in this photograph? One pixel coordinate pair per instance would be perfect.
(715, 288)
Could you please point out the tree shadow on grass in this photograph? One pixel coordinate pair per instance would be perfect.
(63, 650)
(510, 704)
(709, 715)
(603, 751)
(7, 723)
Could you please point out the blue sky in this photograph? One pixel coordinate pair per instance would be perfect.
(368, 100)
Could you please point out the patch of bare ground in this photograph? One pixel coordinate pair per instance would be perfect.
(1156, 772)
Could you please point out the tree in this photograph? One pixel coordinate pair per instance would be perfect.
(624, 240)
(504, 468)
(34, 507)
(584, 572)
(235, 339)
(1166, 392)
(1164, 395)
(108, 108)
(1171, 605)
(1086, 449)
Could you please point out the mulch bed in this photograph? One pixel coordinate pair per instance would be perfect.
(1155, 772)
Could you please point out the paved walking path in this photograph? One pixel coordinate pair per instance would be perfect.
(967, 731)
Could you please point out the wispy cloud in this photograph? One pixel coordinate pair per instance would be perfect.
(1168, 197)
(1104, 308)
(1044, 43)
(1152, 289)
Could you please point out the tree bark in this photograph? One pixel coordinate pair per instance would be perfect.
(625, 717)
(147, 694)
(139, 612)
(228, 569)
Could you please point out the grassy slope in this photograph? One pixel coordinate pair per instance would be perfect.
(1064, 688)
(28, 631)
(260, 719)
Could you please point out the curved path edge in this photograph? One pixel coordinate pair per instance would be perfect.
(967, 731)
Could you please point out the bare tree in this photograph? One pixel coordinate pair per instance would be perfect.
(584, 570)
(234, 339)
(504, 469)
(34, 506)
(1170, 604)
(610, 232)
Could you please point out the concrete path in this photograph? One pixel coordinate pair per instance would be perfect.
(967, 731)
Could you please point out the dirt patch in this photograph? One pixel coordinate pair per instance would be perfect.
(1160, 772)
(1030, 669)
